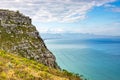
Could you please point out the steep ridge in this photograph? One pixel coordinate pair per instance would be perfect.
(19, 36)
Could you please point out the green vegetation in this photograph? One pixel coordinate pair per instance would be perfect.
(14, 67)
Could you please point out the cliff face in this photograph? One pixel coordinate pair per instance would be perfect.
(18, 35)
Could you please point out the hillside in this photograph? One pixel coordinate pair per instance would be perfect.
(14, 67)
(23, 54)
(19, 36)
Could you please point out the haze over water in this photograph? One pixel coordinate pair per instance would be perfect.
(96, 59)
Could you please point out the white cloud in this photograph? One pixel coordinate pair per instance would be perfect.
(116, 9)
(114, 29)
(51, 30)
(53, 10)
(112, 7)
(100, 30)
(109, 5)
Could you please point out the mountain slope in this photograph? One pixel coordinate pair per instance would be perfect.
(19, 36)
(14, 67)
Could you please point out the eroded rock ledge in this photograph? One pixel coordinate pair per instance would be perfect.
(19, 36)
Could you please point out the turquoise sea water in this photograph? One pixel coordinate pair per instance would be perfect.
(96, 59)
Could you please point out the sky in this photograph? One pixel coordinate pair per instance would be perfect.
(100, 17)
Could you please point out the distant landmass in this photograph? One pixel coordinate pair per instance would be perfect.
(47, 36)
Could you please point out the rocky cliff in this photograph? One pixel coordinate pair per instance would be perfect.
(19, 36)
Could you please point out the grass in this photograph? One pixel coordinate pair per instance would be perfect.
(13, 67)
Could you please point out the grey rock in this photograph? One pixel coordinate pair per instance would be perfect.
(19, 36)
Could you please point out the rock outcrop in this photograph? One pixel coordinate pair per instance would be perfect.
(18, 35)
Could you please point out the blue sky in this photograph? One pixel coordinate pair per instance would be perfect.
(100, 17)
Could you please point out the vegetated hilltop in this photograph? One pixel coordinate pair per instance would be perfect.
(14, 67)
(19, 36)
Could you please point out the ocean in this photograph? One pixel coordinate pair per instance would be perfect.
(95, 59)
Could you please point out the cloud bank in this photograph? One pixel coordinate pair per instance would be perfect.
(54, 10)
(114, 31)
